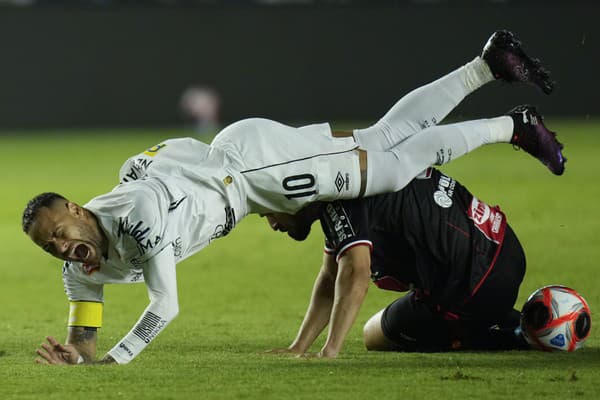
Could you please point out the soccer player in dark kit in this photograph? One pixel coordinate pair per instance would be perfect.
(456, 256)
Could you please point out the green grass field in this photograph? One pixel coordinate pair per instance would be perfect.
(248, 292)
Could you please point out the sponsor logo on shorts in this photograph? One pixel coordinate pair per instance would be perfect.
(406, 337)
(342, 181)
(443, 196)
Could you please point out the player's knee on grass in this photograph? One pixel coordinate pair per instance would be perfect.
(412, 326)
(374, 338)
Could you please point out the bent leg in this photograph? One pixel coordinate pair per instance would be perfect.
(410, 325)
(407, 325)
(493, 323)
(494, 333)
(424, 107)
(373, 336)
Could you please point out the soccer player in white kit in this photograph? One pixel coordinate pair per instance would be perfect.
(175, 198)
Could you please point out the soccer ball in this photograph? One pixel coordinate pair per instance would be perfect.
(556, 318)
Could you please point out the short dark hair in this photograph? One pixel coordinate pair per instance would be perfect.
(33, 207)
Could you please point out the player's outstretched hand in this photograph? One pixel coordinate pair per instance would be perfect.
(54, 353)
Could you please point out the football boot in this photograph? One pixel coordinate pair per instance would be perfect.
(531, 135)
(508, 61)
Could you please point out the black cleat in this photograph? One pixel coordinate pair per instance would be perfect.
(506, 58)
(531, 135)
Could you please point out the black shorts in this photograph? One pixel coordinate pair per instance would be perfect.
(487, 321)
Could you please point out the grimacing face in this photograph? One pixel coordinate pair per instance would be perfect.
(296, 227)
(68, 232)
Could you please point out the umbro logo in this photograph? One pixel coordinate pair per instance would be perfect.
(341, 181)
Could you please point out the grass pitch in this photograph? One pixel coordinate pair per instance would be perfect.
(248, 292)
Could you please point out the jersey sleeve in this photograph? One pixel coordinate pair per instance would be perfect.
(160, 278)
(345, 224)
(77, 288)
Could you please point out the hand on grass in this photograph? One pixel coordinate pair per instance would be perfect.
(54, 353)
(320, 354)
(281, 351)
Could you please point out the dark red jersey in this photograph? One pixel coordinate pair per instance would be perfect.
(433, 235)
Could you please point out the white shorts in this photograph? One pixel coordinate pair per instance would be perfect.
(284, 168)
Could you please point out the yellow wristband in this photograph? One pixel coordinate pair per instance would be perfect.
(85, 313)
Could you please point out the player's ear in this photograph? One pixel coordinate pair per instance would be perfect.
(74, 209)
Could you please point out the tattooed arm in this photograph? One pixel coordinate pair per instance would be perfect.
(79, 349)
(83, 338)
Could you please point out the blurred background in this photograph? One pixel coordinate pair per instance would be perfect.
(201, 64)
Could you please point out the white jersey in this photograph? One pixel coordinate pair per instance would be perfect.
(166, 205)
(175, 198)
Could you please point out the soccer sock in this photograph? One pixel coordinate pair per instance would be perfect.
(501, 129)
(389, 171)
(424, 107)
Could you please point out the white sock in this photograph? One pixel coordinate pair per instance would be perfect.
(392, 170)
(501, 129)
(478, 73)
(424, 107)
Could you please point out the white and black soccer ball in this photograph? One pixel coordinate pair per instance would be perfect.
(556, 318)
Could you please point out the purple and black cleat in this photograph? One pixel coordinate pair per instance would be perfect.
(531, 135)
(506, 58)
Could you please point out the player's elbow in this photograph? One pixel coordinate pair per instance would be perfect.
(172, 311)
(167, 308)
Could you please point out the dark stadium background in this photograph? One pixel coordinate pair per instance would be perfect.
(73, 64)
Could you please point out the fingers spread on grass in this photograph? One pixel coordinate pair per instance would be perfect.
(44, 354)
(41, 361)
(55, 343)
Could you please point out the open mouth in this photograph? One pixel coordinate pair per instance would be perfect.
(81, 252)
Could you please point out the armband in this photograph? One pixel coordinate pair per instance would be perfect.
(85, 313)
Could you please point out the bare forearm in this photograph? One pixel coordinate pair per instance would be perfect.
(317, 315)
(84, 340)
(350, 291)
